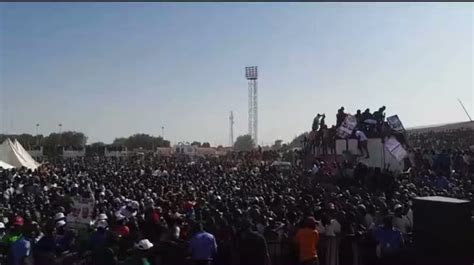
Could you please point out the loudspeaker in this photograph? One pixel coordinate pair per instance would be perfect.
(442, 231)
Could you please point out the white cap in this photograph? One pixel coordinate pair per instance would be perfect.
(60, 223)
(59, 216)
(144, 244)
(102, 216)
(2, 225)
(102, 224)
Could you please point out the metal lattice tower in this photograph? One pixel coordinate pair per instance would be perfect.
(251, 74)
(231, 121)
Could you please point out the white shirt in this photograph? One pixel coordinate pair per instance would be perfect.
(332, 228)
(402, 223)
(410, 216)
(361, 136)
(369, 221)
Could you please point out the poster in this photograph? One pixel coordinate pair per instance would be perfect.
(395, 148)
(347, 126)
(81, 211)
(395, 123)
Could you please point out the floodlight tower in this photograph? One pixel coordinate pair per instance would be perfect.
(251, 74)
(231, 121)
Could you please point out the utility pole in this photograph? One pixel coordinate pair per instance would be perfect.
(231, 121)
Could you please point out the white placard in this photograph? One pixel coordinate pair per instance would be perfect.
(395, 123)
(81, 211)
(347, 126)
(395, 148)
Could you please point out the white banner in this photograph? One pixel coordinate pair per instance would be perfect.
(395, 123)
(347, 126)
(81, 211)
(395, 148)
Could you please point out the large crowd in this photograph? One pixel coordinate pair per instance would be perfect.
(225, 211)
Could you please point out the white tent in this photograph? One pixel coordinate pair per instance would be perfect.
(26, 155)
(5, 165)
(14, 154)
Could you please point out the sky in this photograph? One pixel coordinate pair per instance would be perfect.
(114, 69)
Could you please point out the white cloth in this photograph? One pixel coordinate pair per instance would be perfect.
(126, 212)
(176, 231)
(361, 136)
(410, 217)
(333, 228)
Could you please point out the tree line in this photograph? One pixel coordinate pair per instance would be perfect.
(72, 140)
(246, 143)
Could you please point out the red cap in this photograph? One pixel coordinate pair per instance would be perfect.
(18, 221)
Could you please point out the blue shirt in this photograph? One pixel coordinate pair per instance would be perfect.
(391, 240)
(98, 239)
(20, 250)
(202, 246)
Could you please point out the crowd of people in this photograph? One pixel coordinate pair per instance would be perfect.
(368, 125)
(225, 211)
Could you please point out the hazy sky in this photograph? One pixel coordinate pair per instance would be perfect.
(114, 69)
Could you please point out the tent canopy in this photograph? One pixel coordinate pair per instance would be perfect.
(15, 155)
(5, 165)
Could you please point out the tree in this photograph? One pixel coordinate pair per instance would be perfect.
(119, 141)
(244, 143)
(298, 140)
(142, 140)
(277, 144)
(97, 144)
(70, 139)
(196, 143)
(206, 144)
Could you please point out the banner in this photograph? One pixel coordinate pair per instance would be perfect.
(81, 211)
(347, 126)
(395, 148)
(395, 123)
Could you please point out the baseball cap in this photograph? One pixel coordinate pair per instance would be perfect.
(144, 244)
(59, 216)
(102, 216)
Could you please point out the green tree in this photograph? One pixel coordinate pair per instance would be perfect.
(206, 144)
(244, 143)
(119, 141)
(196, 143)
(142, 140)
(97, 144)
(277, 144)
(70, 139)
(298, 140)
